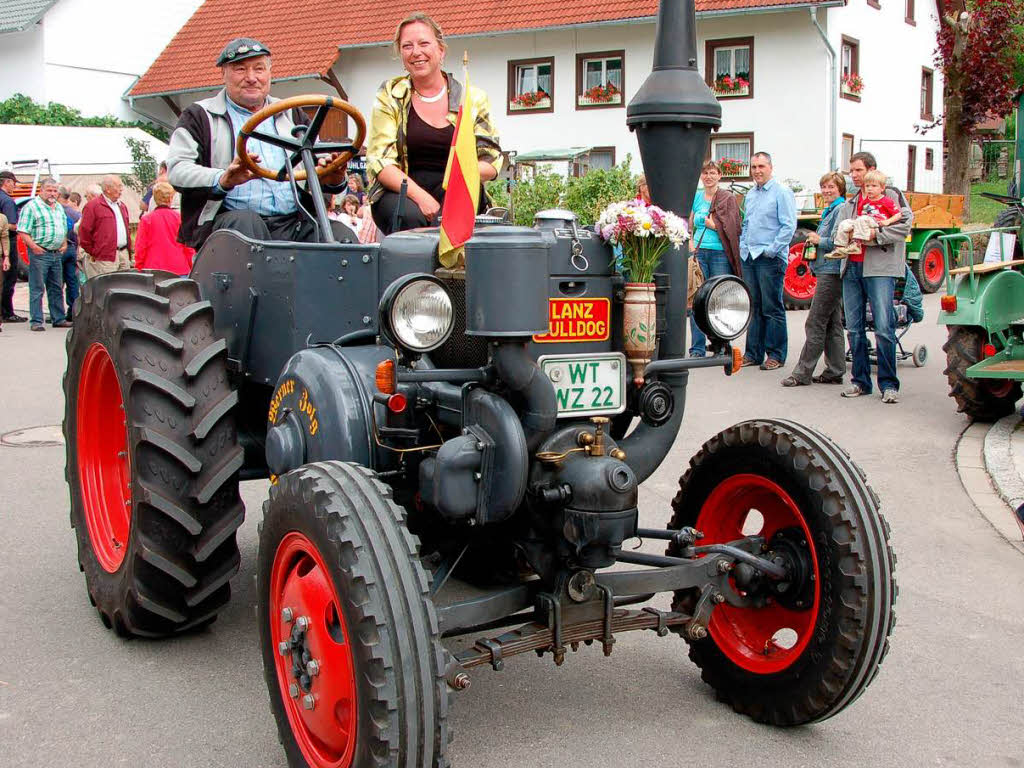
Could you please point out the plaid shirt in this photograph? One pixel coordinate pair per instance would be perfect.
(386, 145)
(46, 224)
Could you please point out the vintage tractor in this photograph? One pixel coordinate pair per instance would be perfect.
(419, 424)
(983, 308)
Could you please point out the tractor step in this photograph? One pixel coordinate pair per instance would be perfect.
(539, 638)
(1003, 366)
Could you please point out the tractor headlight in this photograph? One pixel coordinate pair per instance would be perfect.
(416, 312)
(722, 307)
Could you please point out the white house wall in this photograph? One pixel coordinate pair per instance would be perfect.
(786, 116)
(890, 106)
(86, 53)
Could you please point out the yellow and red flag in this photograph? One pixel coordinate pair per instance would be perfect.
(462, 187)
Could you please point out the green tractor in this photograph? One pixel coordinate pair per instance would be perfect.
(984, 310)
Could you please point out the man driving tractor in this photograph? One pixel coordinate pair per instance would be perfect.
(219, 190)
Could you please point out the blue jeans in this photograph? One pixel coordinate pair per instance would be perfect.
(857, 292)
(712, 264)
(45, 269)
(70, 270)
(767, 334)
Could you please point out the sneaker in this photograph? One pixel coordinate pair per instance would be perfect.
(38, 327)
(853, 390)
(890, 396)
(15, 319)
(63, 324)
(792, 381)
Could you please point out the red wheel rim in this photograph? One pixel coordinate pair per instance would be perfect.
(999, 387)
(104, 461)
(934, 268)
(759, 640)
(300, 581)
(799, 280)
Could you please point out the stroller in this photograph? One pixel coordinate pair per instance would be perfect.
(908, 309)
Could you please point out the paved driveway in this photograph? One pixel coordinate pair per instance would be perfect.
(949, 693)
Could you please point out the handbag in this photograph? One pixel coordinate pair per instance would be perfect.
(695, 277)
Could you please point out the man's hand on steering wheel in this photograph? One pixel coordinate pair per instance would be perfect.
(336, 177)
(238, 172)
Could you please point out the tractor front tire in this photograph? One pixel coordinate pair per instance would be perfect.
(152, 454)
(351, 649)
(980, 399)
(802, 655)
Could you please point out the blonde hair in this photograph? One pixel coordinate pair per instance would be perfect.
(874, 177)
(350, 199)
(163, 193)
(835, 178)
(417, 18)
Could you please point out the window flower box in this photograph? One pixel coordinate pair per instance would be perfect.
(852, 85)
(600, 94)
(530, 100)
(728, 86)
(733, 168)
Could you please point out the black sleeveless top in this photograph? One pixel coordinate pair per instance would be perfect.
(428, 149)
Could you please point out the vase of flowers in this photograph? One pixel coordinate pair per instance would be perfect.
(644, 233)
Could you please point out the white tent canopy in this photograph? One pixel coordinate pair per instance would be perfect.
(74, 150)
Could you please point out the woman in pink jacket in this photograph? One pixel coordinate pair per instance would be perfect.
(156, 245)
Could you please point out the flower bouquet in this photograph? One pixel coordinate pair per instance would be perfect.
(644, 233)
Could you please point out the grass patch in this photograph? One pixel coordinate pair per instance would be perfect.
(983, 210)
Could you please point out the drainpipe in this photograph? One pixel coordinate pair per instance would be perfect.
(833, 91)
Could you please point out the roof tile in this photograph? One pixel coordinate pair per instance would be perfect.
(304, 38)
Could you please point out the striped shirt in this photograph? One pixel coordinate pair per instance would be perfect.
(46, 224)
(265, 197)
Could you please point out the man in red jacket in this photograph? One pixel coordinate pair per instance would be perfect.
(103, 232)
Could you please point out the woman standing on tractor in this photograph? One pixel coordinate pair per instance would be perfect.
(412, 127)
(824, 326)
(715, 223)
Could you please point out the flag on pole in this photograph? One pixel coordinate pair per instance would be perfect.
(461, 183)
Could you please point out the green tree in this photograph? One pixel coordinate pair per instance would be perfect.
(19, 109)
(588, 195)
(143, 165)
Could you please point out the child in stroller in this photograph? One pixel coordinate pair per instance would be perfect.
(908, 307)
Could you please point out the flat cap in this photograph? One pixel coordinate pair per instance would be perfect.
(241, 48)
(4, 175)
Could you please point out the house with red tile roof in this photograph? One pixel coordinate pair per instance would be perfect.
(810, 81)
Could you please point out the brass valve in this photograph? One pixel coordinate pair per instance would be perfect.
(597, 449)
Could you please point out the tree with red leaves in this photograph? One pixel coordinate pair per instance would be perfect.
(980, 53)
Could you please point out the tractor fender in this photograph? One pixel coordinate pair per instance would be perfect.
(919, 237)
(321, 408)
(999, 301)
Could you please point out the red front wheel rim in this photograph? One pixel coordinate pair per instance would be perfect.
(934, 267)
(799, 281)
(769, 639)
(104, 461)
(306, 614)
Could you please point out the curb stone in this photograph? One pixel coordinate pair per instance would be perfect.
(987, 471)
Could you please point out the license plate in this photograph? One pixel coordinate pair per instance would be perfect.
(587, 385)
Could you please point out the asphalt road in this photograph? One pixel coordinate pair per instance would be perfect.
(949, 693)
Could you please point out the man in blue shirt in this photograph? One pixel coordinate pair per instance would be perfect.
(9, 277)
(769, 221)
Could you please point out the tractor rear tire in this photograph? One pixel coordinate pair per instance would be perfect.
(799, 282)
(795, 658)
(340, 583)
(930, 268)
(1010, 217)
(152, 453)
(980, 399)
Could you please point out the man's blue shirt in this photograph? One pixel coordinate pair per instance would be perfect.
(265, 197)
(8, 208)
(769, 221)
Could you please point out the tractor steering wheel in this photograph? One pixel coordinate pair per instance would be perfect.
(305, 137)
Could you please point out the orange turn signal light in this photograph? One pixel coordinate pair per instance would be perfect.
(737, 359)
(385, 377)
(948, 303)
